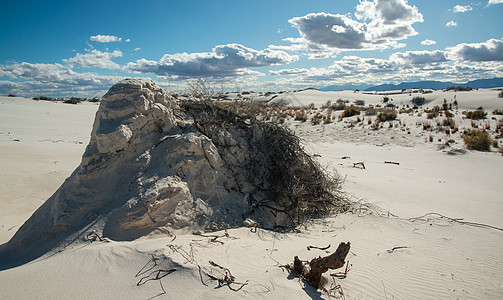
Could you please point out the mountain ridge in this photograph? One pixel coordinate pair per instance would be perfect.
(424, 84)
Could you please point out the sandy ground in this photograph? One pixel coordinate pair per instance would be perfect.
(400, 249)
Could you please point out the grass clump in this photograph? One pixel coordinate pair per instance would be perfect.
(477, 140)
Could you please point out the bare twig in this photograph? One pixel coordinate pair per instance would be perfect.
(426, 218)
(320, 248)
(392, 162)
(93, 236)
(396, 248)
(159, 274)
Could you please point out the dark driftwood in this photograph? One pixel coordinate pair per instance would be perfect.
(313, 270)
(321, 264)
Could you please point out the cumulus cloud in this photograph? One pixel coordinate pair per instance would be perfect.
(388, 12)
(491, 2)
(419, 57)
(491, 50)
(451, 24)
(95, 59)
(333, 31)
(224, 60)
(428, 42)
(52, 79)
(105, 38)
(379, 24)
(468, 61)
(462, 9)
(295, 71)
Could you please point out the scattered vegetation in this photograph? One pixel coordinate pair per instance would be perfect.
(74, 100)
(11, 95)
(500, 94)
(43, 98)
(498, 112)
(458, 89)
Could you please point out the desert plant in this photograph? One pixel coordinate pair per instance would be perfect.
(316, 119)
(477, 140)
(476, 114)
(458, 88)
(287, 180)
(418, 101)
(386, 115)
(498, 112)
(448, 114)
(371, 111)
(350, 111)
(449, 122)
(73, 100)
(500, 94)
(360, 102)
(11, 95)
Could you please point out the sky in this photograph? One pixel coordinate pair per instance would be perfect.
(82, 48)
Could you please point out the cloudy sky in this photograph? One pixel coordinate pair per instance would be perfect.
(63, 48)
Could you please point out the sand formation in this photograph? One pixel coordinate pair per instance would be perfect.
(154, 164)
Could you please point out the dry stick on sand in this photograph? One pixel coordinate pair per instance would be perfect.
(426, 218)
(313, 270)
(93, 236)
(214, 237)
(158, 276)
(320, 248)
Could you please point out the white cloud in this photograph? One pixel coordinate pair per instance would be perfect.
(136, 49)
(380, 24)
(462, 9)
(451, 24)
(428, 42)
(95, 59)
(105, 38)
(388, 12)
(128, 40)
(491, 2)
(419, 57)
(53, 80)
(466, 61)
(295, 71)
(491, 50)
(225, 60)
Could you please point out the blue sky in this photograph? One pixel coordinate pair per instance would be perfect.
(64, 48)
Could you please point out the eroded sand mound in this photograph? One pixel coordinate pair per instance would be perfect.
(156, 165)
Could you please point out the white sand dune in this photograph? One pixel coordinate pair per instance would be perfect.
(393, 255)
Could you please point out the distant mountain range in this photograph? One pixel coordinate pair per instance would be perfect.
(428, 84)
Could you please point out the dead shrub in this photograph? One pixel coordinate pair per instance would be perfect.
(287, 180)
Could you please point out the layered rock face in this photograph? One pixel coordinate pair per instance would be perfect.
(147, 167)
